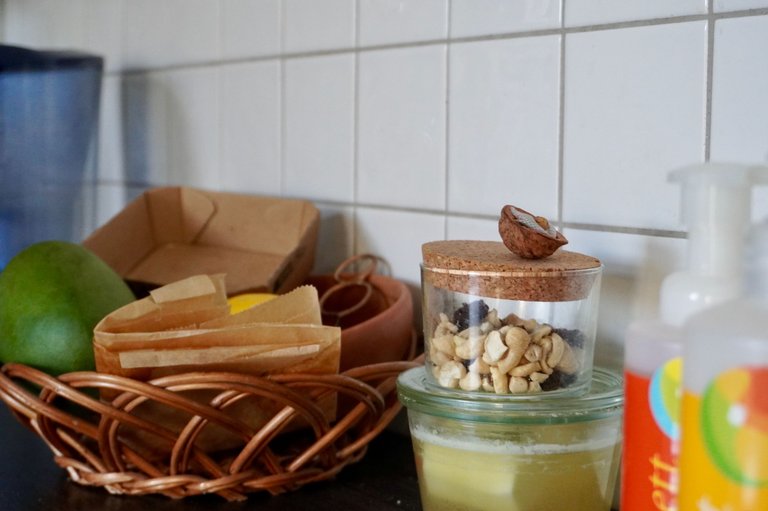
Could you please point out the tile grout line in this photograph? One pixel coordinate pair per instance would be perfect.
(447, 89)
(561, 124)
(710, 76)
(219, 102)
(469, 39)
(281, 100)
(603, 228)
(643, 231)
(356, 135)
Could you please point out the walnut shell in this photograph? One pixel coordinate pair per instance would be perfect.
(528, 236)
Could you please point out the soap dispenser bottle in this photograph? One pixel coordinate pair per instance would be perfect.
(724, 444)
(716, 210)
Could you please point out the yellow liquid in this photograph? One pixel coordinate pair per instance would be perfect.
(464, 476)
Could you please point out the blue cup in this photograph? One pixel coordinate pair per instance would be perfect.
(49, 110)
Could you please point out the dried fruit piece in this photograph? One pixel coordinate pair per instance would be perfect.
(470, 314)
(528, 236)
(558, 380)
(574, 337)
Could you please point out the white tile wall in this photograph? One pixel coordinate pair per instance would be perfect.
(400, 21)
(634, 109)
(486, 17)
(319, 127)
(85, 25)
(111, 153)
(250, 29)
(594, 12)
(309, 25)
(734, 5)
(101, 29)
(504, 125)
(336, 237)
(250, 138)
(468, 228)
(44, 23)
(147, 41)
(401, 136)
(739, 100)
(401, 127)
(397, 236)
(193, 127)
(111, 199)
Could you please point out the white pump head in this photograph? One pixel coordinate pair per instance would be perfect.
(716, 204)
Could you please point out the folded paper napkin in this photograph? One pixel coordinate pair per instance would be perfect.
(186, 326)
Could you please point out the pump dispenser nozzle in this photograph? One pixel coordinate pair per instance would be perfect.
(716, 207)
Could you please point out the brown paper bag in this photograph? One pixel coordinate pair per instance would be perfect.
(186, 326)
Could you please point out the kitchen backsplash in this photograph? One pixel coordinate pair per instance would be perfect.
(407, 121)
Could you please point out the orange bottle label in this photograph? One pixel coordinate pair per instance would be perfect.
(651, 426)
(724, 458)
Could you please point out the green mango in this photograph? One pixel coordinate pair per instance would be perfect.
(52, 295)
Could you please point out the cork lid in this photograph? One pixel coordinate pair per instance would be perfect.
(488, 268)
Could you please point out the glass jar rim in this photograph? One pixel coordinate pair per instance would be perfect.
(605, 398)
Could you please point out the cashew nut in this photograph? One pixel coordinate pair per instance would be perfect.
(450, 373)
(568, 364)
(479, 366)
(525, 369)
(558, 349)
(468, 348)
(493, 318)
(471, 381)
(517, 339)
(533, 353)
(546, 348)
(440, 358)
(445, 327)
(511, 360)
(470, 332)
(529, 324)
(540, 332)
(500, 381)
(518, 385)
(444, 343)
(494, 347)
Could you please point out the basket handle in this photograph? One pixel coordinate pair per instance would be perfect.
(346, 279)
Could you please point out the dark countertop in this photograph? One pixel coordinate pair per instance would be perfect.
(384, 480)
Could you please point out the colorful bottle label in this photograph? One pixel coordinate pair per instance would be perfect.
(651, 439)
(724, 458)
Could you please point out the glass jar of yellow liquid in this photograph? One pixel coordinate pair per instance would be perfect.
(475, 453)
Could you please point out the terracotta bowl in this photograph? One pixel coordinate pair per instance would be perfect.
(380, 330)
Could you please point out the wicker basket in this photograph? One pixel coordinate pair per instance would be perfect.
(85, 433)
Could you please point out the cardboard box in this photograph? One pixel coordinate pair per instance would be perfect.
(261, 243)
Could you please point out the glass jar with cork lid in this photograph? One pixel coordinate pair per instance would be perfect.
(496, 322)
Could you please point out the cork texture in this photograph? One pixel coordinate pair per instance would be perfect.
(563, 276)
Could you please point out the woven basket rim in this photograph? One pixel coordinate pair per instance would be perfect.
(89, 436)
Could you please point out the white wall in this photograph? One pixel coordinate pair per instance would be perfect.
(413, 120)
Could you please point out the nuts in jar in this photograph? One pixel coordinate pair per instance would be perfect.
(475, 350)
